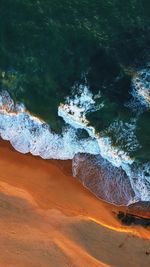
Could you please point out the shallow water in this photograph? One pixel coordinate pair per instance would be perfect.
(78, 79)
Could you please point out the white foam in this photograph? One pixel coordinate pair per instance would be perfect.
(139, 176)
(117, 156)
(140, 91)
(27, 134)
(74, 113)
(77, 106)
(114, 155)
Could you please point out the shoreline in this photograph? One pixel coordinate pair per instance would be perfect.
(141, 209)
(48, 218)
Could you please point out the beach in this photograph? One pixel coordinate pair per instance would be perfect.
(48, 219)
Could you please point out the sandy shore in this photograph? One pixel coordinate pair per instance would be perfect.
(47, 219)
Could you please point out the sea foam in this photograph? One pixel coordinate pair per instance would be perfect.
(140, 92)
(28, 133)
(117, 155)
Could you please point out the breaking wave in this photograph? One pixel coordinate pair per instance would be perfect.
(116, 156)
(27, 133)
(140, 91)
(102, 164)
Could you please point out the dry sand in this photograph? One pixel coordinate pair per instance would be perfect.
(47, 219)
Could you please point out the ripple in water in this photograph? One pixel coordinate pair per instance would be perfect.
(103, 179)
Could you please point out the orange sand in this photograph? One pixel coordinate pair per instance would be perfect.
(47, 219)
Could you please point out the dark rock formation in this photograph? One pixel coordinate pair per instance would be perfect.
(128, 219)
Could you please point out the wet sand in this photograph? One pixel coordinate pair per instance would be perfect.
(47, 219)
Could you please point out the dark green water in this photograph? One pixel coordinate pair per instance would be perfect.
(48, 46)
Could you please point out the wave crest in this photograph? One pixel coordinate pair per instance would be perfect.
(109, 169)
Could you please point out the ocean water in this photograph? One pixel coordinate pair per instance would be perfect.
(113, 161)
(75, 84)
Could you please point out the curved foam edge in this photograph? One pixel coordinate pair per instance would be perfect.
(27, 133)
